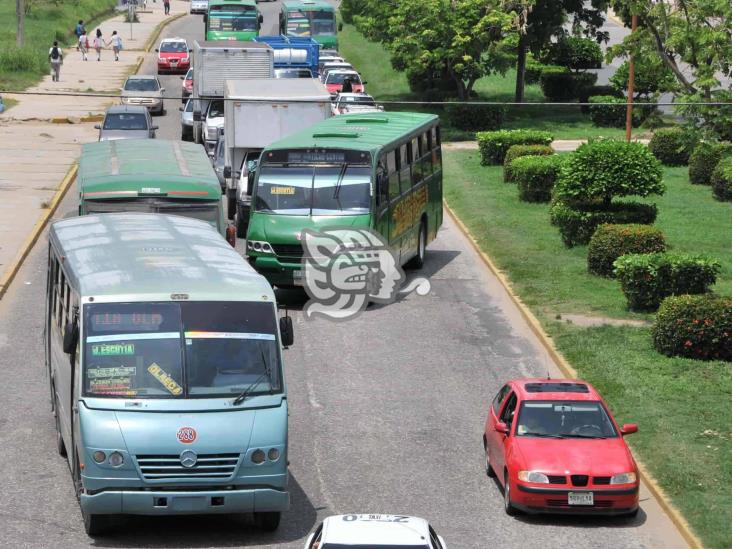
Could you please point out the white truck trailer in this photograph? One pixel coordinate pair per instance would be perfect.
(215, 62)
(259, 112)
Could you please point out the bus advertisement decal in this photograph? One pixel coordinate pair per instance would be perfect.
(165, 379)
(407, 211)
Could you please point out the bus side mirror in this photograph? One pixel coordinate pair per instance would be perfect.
(71, 337)
(261, 19)
(286, 331)
(227, 172)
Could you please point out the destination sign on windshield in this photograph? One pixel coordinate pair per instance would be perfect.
(317, 156)
(306, 157)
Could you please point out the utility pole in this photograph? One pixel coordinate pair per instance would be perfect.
(19, 21)
(631, 86)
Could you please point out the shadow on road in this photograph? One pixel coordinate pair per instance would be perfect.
(212, 530)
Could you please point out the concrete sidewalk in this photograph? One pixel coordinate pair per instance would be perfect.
(35, 153)
(559, 145)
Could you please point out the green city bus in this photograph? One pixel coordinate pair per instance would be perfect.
(150, 175)
(310, 18)
(232, 20)
(381, 171)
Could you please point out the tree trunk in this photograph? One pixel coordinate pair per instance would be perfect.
(19, 21)
(521, 69)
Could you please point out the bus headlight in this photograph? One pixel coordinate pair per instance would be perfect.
(273, 454)
(116, 459)
(99, 456)
(260, 246)
(258, 456)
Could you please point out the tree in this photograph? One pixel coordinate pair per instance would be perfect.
(461, 39)
(652, 77)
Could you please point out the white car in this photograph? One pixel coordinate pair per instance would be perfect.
(374, 531)
(213, 123)
(199, 6)
(347, 103)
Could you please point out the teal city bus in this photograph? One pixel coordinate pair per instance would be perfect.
(232, 20)
(310, 18)
(150, 175)
(381, 171)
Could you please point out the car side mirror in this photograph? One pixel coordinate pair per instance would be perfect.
(364, 83)
(162, 90)
(231, 235)
(227, 172)
(629, 428)
(286, 331)
(261, 19)
(190, 50)
(180, 109)
(182, 77)
(157, 50)
(155, 128)
(340, 27)
(71, 337)
(97, 127)
(502, 428)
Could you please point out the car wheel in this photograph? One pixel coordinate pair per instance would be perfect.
(268, 521)
(60, 446)
(417, 262)
(632, 514)
(95, 525)
(507, 505)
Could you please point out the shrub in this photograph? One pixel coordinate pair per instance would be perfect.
(559, 84)
(646, 279)
(591, 91)
(575, 53)
(694, 326)
(613, 116)
(534, 69)
(535, 176)
(612, 241)
(493, 145)
(652, 76)
(603, 169)
(704, 159)
(722, 180)
(471, 117)
(22, 60)
(673, 146)
(516, 151)
(578, 222)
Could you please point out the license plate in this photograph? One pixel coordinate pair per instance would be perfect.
(297, 277)
(174, 62)
(581, 498)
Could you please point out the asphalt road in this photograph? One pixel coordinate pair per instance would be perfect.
(387, 413)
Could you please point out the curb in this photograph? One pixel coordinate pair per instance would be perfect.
(156, 32)
(25, 249)
(566, 368)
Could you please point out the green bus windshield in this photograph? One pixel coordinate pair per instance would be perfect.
(315, 22)
(231, 21)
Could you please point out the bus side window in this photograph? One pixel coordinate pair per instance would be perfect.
(424, 155)
(382, 182)
(52, 274)
(414, 157)
(60, 282)
(404, 172)
(436, 154)
(393, 162)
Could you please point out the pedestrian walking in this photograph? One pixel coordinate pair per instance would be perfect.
(98, 44)
(79, 30)
(116, 43)
(166, 5)
(83, 45)
(56, 58)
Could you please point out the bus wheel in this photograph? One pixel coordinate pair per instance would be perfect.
(95, 525)
(60, 446)
(418, 260)
(268, 521)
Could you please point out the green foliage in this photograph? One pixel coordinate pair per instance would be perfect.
(613, 116)
(603, 169)
(673, 146)
(578, 222)
(494, 145)
(694, 326)
(559, 84)
(612, 241)
(701, 111)
(22, 59)
(575, 52)
(466, 116)
(646, 279)
(652, 77)
(704, 160)
(516, 151)
(592, 91)
(535, 176)
(534, 69)
(722, 180)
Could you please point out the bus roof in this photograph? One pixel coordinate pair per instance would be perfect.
(136, 256)
(307, 5)
(362, 132)
(252, 3)
(118, 168)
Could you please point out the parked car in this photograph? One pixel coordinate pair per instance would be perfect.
(555, 447)
(213, 123)
(334, 81)
(392, 531)
(293, 73)
(126, 122)
(199, 6)
(218, 160)
(174, 56)
(186, 121)
(144, 90)
(187, 87)
(346, 103)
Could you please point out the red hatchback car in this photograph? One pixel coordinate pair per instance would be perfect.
(555, 448)
(173, 56)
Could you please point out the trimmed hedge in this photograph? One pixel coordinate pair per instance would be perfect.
(694, 326)
(536, 175)
(673, 146)
(534, 70)
(722, 180)
(559, 84)
(576, 53)
(704, 160)
(592, 91)
(494, 145)
(467, 116)
(517, 151)
(612, 241)
(646, 279)
(613, 116)
(578, 222)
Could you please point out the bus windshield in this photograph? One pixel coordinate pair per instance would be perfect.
(322, 23)
(180, 350)
(205, 210)
(233, 19)
(298, 27)
(314, 189)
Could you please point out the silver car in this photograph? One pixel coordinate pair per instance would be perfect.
(186, 121)
(144, 90)
(126, 122)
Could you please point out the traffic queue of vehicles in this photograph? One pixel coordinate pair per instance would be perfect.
(164, 346)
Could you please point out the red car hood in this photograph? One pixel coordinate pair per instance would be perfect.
(172, 55)
(599, 457)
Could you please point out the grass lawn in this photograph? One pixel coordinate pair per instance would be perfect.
(45, 23)
(682, 406)
(387, 84)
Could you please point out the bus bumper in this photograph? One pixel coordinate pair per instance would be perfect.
(277, 273)
(185, 503)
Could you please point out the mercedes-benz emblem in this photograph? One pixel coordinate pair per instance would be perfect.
(188, 458)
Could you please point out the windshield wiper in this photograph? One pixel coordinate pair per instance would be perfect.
(248, 391)
(337, 190)
(545, 435)
(570, 435)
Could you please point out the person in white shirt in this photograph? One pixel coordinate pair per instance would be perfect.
(56, 58)
(116, 43)
(83, 45)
